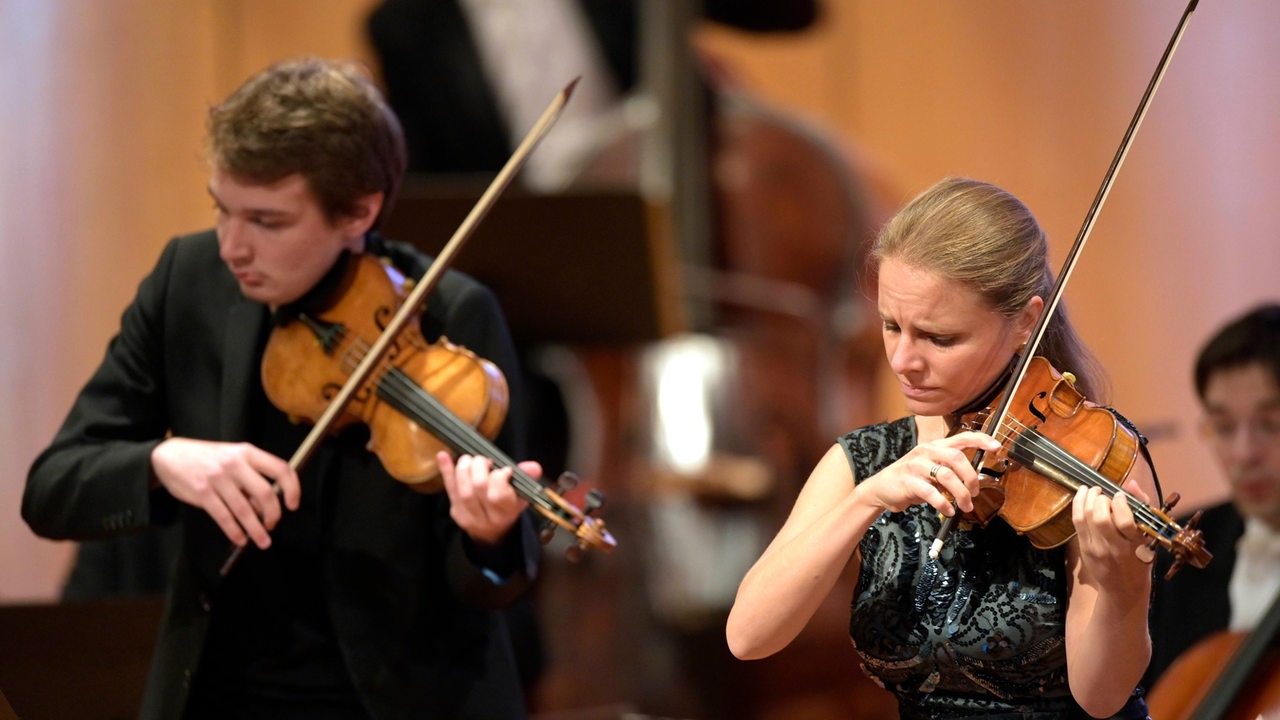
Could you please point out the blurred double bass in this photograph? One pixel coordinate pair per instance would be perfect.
(716, 427)
(768, 215)
(768, 218)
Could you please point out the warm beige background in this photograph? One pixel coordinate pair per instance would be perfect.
(103, 106)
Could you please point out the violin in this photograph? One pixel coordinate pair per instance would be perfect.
(1052, 441)
(356, 369)
(424, 397)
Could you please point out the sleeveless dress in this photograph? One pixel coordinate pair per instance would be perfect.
(980, 632)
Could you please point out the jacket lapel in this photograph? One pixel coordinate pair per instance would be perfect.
(245, 322)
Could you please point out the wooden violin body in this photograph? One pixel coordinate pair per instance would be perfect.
(309, 358)
(1053, 442)
(1047, 405)
(421, 398)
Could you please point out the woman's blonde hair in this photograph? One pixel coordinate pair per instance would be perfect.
(985, 238)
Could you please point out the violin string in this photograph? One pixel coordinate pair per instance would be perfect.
(1014, 429)
(460, 436)
(1077, 469)
(445, 423)
(1068, 462)
(456, 433)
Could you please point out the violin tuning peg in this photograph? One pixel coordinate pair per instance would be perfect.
(1194, 522)
(595, 500)
(573, 553)
(566, 482)
(546, 533)
(546, 530)
(1174, 497)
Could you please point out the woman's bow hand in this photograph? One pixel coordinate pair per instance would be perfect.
(934, 472)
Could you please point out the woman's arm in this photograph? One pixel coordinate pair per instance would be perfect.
(1108, 642)
(796, 572)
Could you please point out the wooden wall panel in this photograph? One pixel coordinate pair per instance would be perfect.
(99, 168)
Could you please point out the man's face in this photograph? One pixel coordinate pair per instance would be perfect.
(276, 239)
(1242, 424)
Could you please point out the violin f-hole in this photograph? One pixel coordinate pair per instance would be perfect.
(1031, 407)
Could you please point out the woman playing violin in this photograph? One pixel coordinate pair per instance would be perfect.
(993, 627)
(360, 596)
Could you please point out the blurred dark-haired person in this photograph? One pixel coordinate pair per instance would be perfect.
(1237, 379)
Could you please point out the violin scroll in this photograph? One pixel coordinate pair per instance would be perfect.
(589, 531)
(1186, 544)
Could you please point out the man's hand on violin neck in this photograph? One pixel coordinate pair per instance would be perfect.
(482, 500)
(240, 486)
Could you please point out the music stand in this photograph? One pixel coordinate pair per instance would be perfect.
(592, 267)
(86, 660)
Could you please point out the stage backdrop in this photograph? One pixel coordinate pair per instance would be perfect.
(100, 163)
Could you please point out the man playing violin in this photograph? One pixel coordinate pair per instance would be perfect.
(358, 596)
(1237, 379)
(994, 627)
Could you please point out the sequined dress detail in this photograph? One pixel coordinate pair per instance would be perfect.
(976, 633)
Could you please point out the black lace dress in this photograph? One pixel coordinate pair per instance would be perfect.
(978, 632)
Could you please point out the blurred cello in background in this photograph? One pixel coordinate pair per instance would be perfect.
(1228, 675)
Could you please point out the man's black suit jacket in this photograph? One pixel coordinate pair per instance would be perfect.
(413, 614)
(1194, 603)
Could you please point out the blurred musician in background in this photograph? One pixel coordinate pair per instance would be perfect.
(1237, 378)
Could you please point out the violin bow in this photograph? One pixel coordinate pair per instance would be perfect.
(416, 298)
(1068, 266)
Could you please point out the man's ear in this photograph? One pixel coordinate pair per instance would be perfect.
(362, 217)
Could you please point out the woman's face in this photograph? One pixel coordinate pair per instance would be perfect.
(944, 342)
